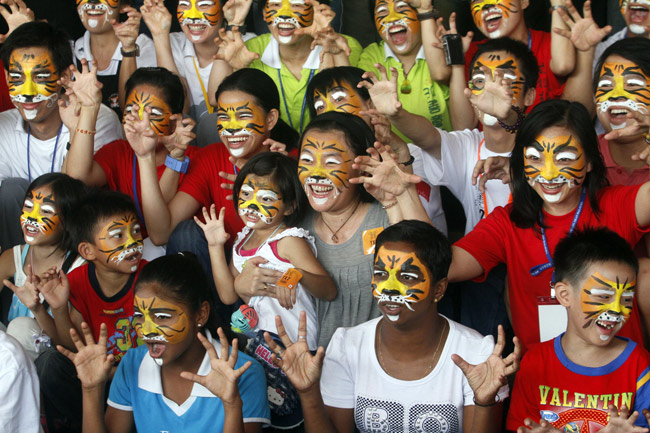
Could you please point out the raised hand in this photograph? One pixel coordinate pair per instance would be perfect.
(323, 17)
(531, 426)
(128, 31)
(215, 232)
(383, 92)
(235, 11)
(156, 17)
(139, 134)
(27, 293)
(331, 42)
(85, 86)
(55, 288)
(637, 123)
(274, 146)
(584, 33)
(176, 143)
(486, 378)
(494, 167)
(17, 14)
(91, 361)
(301, 367)
(467, 39)
(622, 422)
(222, 378)
(496, 97)
(232, 49)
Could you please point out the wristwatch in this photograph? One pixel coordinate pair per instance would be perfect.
(242, 29)
(134, 53)
(176, 165)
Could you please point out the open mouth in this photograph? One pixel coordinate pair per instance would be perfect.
(638, 12)
(156, 346)
(131, 256)
(392, 310)
(492, 19)
(286, 28)
(397, 32)
(320, 190)
(31, 229)
(236, 143)
(606, 328)
(195, 27)
(253, 216)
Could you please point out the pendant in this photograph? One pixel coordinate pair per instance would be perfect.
(405, 88)
(335, 239)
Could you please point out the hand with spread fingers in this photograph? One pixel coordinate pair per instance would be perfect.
(301, 367)
(223, 376)
(55, 288)
(156, 17)
(496, 97)
(91, 361)
(85, 86)
(27, 293)
(531, 426)
(331, 43)
(584, 33)
(232, 49)
(139, 134)
(494, 167)
(183, 133)
(622, 421)
(17, 14)
(127, 32)
(235, 11)
(214, 227)
(383, 91)
(637, 123)
(323, 16)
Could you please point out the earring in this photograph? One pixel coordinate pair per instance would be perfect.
(199, 325)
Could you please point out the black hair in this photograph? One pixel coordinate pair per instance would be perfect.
(67, 193)
(429, 245)
(358, 135)
(284, 174)
(262, 3)
(575, 253)
(526, 60)
(181, 277)
(170, 86)
(325, 78)
(526, 203)
(96, 207)
(636, 51)
(265, 93)
(39, 34)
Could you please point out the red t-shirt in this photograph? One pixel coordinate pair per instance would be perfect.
(116, 312)
(203, 183)
(548, 85)
(496, 239)
(617, 175)
(550, 386)
(5, 99)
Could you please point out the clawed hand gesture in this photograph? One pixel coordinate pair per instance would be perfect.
(383, 91)
(323, 16)
(156, 17)
(222, 378)
(232, 49)
(637, 123)
(486, 378)
(214, 228)
(83, 84)
(496, 97)
(235, 11)
(128, 31)
(467, 39)
(494, 167)
(139, 134)
(55, 288)
(176, 143)
(584, 33)
(28, 293)
(92, 362)
(17, 14)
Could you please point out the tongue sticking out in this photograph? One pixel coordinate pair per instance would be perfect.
(156, 351)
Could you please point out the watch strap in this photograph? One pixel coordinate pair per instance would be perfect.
(176, 165)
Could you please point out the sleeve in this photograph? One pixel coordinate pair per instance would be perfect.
(108, 127)
(252, 389)
(256, 45)
(147, 57)
(522, 405)
(78, 283)
(618, 204)
(107, 158)
(119, 396)
(642, 395)
(355, 50)
(337, 379)
(195, 182)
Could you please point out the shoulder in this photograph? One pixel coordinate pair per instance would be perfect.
(294, 236)
(468, 343)
(373, 51)
(12, 355)
(353, 337)
(258, 43)
(9, 119)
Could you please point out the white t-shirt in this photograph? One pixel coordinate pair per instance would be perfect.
(429, 194)
(353, 378)
(19, 405)
(460, 151)
(146, 58)
(42, 156)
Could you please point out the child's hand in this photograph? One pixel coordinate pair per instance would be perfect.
(214, 229)
(85, 86)
(255, 280)
(532, 427)
(139, 134)
(486, 378)
(274, 146)
(622, 422)
(301, 367)
(91, 361)
(235, 11)
(176, 143)
(383, 92)
(585, 33)
(27, 293)
(55, 288)
(17, 14)
(232, 49)
(494, 167)
(156, 17)
(496, 97)
(128, 31)
(323, 16)
(222, 378)
(285, 296)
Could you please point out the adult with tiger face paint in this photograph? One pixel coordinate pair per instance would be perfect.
(558, 186)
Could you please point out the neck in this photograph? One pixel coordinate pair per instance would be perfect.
(408, 60)
(205, 52)
(588, 355)
(345, 212)
(297, 52)
(410, 341)
(110, 281)
(103, 41)
(498, 140)
(565, 206)
(622, 152)
(46, 128)
(520, 33)
(44, 252)
(190, 360)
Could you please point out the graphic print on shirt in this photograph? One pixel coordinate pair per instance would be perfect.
(379, 416)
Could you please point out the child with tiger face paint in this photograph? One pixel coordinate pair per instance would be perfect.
(199, 19)
(397, 24)
(497, 18)
(284, 17)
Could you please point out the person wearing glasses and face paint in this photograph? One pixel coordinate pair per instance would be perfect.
(408, 368)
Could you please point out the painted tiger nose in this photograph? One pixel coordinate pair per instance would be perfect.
(232, 130)
(253, 206)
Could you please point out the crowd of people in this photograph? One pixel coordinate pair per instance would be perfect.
(211, 229)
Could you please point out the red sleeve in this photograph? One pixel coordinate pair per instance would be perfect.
(195, 181)
(111, 158)
(522, 400)
(79, 286)
(5, 99)
(618, 208)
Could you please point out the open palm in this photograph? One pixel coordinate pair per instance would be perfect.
(92, 363)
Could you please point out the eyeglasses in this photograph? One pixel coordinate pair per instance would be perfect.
(479, 83)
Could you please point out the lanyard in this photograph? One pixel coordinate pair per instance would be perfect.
(530, 41)
(205, 94)
(136, 200)
(56, 144)
(536, 270)
(485, 206)
(304, 100)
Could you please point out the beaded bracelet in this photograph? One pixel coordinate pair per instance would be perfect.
(388, 206)
(85, 131)
(410, 161)
(520, 117)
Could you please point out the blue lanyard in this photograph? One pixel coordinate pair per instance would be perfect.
(530, 41)
(304, 100)
(536, 270)
(56, 144)
(136, 200)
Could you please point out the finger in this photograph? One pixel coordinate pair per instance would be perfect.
(282, 333)
(294, 296)
(382, 71)
(562, 32)
(302, 326)
(225, 346)
(201, 380)
(243, 368)
(103, 334)
(206, 215)
(68, 354)
(212, 353)
(11, 285)
(76, 340)
(461, 363)
(501, 342)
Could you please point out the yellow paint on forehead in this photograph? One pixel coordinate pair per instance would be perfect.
(32, 72)
(161, 112)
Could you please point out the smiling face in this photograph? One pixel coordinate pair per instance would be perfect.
(398, 25)
(199, 19)
(260, 202)
(285, 16)
(119, 243)
(622, 88)
(555, 165)
(96, 15)
(241, 123)
(40, 219)
(340, 96)
(636, 14)
(497, 18)
(143, 96)
(32, 81)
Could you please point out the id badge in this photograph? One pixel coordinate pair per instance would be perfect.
(552, 318)
(369, 240)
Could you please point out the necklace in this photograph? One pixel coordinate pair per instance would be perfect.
(335, 239)
(435, 354)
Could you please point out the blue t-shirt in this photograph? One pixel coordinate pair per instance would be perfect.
(137, 387)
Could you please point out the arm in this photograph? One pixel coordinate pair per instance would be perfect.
(463, 266)
(17, 14)
(562, 50)
(176, 144)
(127, 32)
(434, 56)
(56, 290)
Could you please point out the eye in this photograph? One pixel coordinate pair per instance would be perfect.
(339, 96)
(136, 229)
(306, 158)
(43, 75)
(401, 5)
(532, 154)
(222, 118)
(267, 196)
(331, 160)
(319, 106)
(379, 273)
(204, 4)
(636, 82)
(382, 10)
(46, 208)
(28, 204)
(15, 76)
(408, 276)
(509, 76)
(297, 2)
(605, 83)
(115, 234)
(162, 316)
(128, 108)
(156, 112)
(137, 315)
(245, 115)
(627, 295)
(184, 3)
(566, 157)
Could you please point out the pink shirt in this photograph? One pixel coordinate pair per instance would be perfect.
(616, 174)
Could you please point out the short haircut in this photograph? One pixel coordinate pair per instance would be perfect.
(39, 34)
(96, 207)
(525, 58)
(575, 253)
(429, 245)
(170, 86)
(325, 78)
(284, 174)
(636, 50)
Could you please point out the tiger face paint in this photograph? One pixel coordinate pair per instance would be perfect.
(496, 18)
(607, 304)
(96, 14)
(285, 16)
(323, 167)
(142, 97)
(622, 88)
(340, 96)
(32, 79)
(554, 165)
(40, 215)
(198, 17)
(636, 14)
(239, 122)
(259, 200)
(399, 279)
(398, 25)
(120, 243)
(159, 323)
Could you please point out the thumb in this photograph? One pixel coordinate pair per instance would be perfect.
(461, 363)
(11, 285)
(258, 260)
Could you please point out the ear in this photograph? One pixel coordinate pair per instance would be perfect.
(524, 4)
(87, 251)
(529, 97)
(589, 167)
(289, 210)
(563, 292)
(203, 314)
(272, 119)
(439, 289)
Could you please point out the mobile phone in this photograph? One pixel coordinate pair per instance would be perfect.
(453, 46)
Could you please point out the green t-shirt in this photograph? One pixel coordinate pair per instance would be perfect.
(292, 91)
(427, 97)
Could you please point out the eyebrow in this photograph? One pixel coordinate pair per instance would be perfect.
(409, 266)
(49, 199)
(321, 145)
(335, 88)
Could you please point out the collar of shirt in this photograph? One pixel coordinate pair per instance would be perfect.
(389, 53)
(271, 56)
(82, 49)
